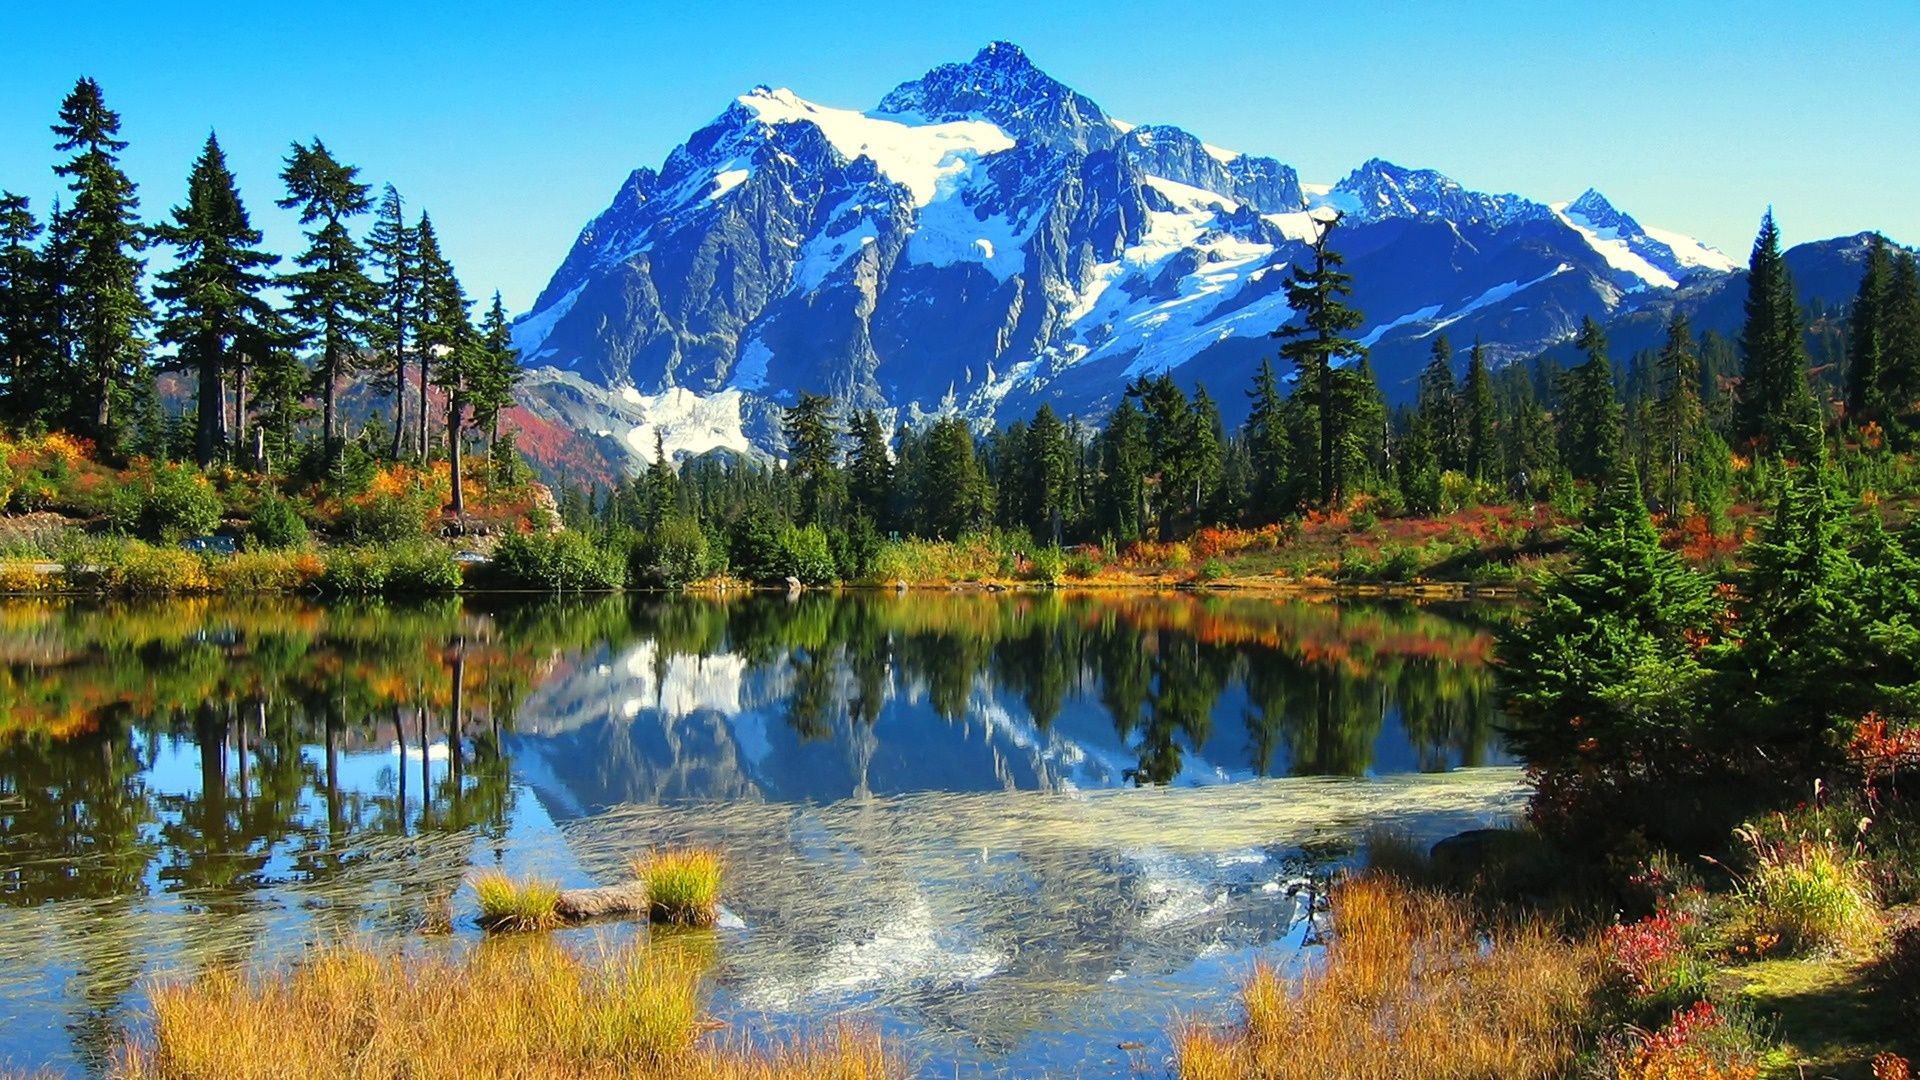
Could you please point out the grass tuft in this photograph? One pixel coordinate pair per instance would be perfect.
(683, 885)
(509, 905)
(1808, 894)
(1410, 986)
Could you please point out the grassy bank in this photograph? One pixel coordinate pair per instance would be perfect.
(525, 1008)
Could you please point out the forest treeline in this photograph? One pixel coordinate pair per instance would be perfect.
(268, 346)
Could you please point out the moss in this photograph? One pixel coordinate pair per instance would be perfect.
(1830, 1021)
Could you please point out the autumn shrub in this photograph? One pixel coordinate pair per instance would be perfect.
(416, 568)
(25, 576)
(1897, 971)
(1048, 565)
(1081, 565)
(1700, 1042)
(265, 571)
(140, 569)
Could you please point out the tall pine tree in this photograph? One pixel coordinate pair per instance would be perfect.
(1315, 345)
(1776, 406)
(330, 295)
(26, 345)
(393, 250)
(213, 296)
(108, 311)
(1680, 416)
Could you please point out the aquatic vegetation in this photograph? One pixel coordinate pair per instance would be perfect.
(511, 905)
(683, 885)
(1409, 986)
(537, 1011)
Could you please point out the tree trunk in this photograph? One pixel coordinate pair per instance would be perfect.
(426, 358)
(399, 402)
(239, 409)
(454, 408)
(329, 372)
(208, 436)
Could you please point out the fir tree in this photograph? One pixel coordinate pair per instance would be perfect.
(1590, 420)
(870, 471)
(105, 304)
(393, 250)
(496, 371)
(1315, 345)
(1480, 418)
(26, 345)
(954, 493)
(1776, 406)
(1900, 336)
(1267, 444)
(460, 357)
(213, 294)
(1680, 415)
(662, 487)
(1439, 407)
(1046, 475)
(440, 319)
(1126, 458)
(330, 295)
(813, 457)
(1607, 675)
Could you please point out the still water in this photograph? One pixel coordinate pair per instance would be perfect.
(1018, 832)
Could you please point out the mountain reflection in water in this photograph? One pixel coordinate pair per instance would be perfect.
(908, 787)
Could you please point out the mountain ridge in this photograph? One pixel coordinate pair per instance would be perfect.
(988, 239)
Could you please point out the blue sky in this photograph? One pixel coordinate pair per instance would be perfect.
(514, 123)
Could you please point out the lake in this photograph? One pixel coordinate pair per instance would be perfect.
(1017, 831)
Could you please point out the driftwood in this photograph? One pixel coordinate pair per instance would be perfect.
(577, 904)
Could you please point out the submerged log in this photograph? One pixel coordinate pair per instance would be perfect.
(577, 904)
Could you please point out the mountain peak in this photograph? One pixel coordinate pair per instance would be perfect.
(1002, 85)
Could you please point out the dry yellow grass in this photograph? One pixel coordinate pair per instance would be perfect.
(1409, 988)
(683, 885)
(522, 1008)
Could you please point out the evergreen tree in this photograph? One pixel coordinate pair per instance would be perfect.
(1315, 346)
(1680, 415)
(460, 357)
(813, 457)
(1126, 458)
(1209, 456)
(1776, 406)
(440, 317)
(955, 497)
(26, 345)
(1439, 408)
(1900, 336)
(662, 487)
(329, 295)
(1046, 474)
(1267, 445)
(213, 294)
(105, 304)
(1416, 466)
(1793, 670)
(496, 371)
(1479, 415)
(1605, 679)
(393, 250)
(870, 471)
(1590, 420)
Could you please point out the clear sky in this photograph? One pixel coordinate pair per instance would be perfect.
(514, 123)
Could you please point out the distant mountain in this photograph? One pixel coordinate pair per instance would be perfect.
(987, 239)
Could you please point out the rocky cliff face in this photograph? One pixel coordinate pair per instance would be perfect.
(987, 239)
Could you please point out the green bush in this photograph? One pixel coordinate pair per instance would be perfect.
(754, 549)
(1048, 565)
(806, 556)
(1212, 570)
(165, 503)
(277, 524)
(415, 568)
(856, 549)
(1082, 565)
(386, 519)
(566, 561)
(674, 554)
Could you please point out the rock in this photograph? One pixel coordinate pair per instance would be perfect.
(577, 904)
(1511, 853)
(793, 584)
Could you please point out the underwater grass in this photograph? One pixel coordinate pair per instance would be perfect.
(1410, 987)
(683, 885)
(510, 905)
(527, 1008)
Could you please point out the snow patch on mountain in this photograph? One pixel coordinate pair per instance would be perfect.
(530, 332)
(914, 154)
(687, 423)
(1692, 252)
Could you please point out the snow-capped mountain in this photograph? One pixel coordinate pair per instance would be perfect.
(987, 238)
